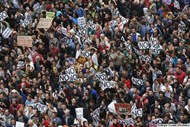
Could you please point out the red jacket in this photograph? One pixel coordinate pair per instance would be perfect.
(180, 77)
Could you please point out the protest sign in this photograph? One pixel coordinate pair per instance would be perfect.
(85, 53)
(7, 32)
(111, 107)
(82, 21)
(107, 84)
(96, 117)
(69, 76)
(3, 15)
(44, 23)
(42, 108)
(50, 15)
(128, 121)
(25, 41)
(79, 113)
(137, 51)
(145, 58)
(36, 6)
(137, 81)
(143, 45)
(19, 124)
(63, 78)
(122, 108)
(82, 32)
(157, 121)
(70, 70)
(100, 76)
(24, 22)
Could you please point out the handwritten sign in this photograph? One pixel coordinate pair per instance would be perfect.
(25, 41)
(45, 23)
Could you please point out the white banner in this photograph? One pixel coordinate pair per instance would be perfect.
(107, 84)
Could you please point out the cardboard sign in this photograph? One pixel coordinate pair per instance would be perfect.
(143, 45)
(50, 15)
(19, 124)
(79, 113)
(122, 108)
(107, 84)
(82, 21)
(7, 32)
(128, 121)
(42, 108)
(44, 23)
(25, 41)
(3, 15)
(137, 81)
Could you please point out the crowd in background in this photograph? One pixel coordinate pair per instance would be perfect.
(30, 75)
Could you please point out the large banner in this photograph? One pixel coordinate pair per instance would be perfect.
(25, 41)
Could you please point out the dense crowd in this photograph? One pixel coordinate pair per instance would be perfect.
(132, 52)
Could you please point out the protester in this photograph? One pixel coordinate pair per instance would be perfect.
(72, 62)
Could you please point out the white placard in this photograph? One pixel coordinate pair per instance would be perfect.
(36, 6)
(143, 45)
(96, 117)
(79, 113)
(82, 21)
(100, 76)
(137, 51)
(137, 81)
(107, 84)
(24, 22)
(85, 53)
(7, 32)
(128, 121)
(63, 78)
(19, 124)
(70, 71)
(3, 15)
(145, 58)
(64, 31)
(42, 108)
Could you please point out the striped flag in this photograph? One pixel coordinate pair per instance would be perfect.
(7, 32)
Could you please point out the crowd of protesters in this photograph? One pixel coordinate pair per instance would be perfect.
(30, 75)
